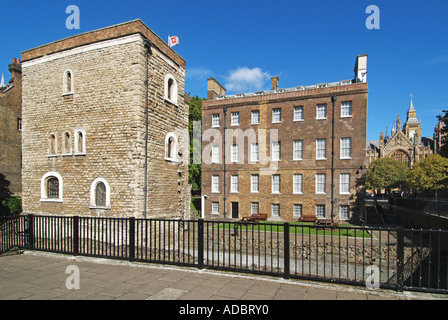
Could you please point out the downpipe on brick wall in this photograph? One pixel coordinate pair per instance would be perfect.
(147, 45)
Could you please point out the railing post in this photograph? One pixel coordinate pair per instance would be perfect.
(30, 231)
(131, 239)
(286, 256)
(75, 235)
(201, 243)
(400, 259)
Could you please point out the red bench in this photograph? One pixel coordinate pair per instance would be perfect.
(308, 219)
(255, 217)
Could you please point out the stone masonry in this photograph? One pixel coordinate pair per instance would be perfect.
(104, 105)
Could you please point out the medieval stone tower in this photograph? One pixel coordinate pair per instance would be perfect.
(105, 126)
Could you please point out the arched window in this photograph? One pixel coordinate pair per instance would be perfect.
(171, 89)
(67, 144)
(51, 187)
(68, 82)
(171, 147)
(402, 156)
(52, 145)
(80, 142)
(100, 194)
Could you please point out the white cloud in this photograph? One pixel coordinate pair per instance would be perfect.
(246, 80)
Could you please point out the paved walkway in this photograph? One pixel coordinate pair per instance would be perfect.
(45, 276)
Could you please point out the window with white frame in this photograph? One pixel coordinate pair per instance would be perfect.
(297, 183)
(234, 118)
(297, 152)
(215, 153)
(100, 194)
(276, 151)
(346, 109)
(234, 183)
(254, 207)
(346, 148)
(51, 187)
(234, 155)
(275, 209)
(276, 115)
(298, 113)
(344, 212)
(254, 183)
(320, 211)
(254, 152)
(321, 111)
(275, 183)
(321, 146)
(215, 120)
(215, 184)
(320, 183)
(255, 117)
(215, 207)
(297, 211)
(80, 142)
(344, 183)
(170, 89)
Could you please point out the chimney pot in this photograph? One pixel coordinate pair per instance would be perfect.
(274, 82)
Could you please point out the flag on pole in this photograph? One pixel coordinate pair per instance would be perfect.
(173, 40)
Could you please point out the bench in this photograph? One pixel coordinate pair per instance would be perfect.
(308, 219)
(255, 217)
(326, 223)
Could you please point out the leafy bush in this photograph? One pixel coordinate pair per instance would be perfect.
(11, 206)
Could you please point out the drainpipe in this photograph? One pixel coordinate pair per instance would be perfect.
(224, 152)
(333, 100)
(147, 45)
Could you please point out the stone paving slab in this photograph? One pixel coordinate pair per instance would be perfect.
(43, 276)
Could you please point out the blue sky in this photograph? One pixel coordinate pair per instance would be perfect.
(242, 43)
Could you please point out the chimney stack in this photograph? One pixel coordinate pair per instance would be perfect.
(274, 83)
(16, 70)
(214, 89)
(361, 68)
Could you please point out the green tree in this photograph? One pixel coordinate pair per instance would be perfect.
(386, 173)
(444, 148)
(194, 172)
(430, 173)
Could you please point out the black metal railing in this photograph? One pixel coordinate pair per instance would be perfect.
(393, 258)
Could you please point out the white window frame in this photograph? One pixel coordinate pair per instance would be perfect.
(171, 155)
(345, 148)
(215, 184)
(78, 151)
(297, 150)
(215, 154)
(254, 208)
(276, 151)
(64, 83)
(171, 97)
(299, 208)
(216, 124)
(276, 115)
(321, 149)
(344, 215)
(319, 213)
(344, 183)
(234, 183)
(275, 184)
(234, 153)
(254, 183)
(43, 187)
(298, 113)
(346, 109)
(93, 194)
(321, 183)
(275, 209)
(235, 118)
(321, 111)
(215, 210)
(297, 184)
(256, 118)
(254, 152)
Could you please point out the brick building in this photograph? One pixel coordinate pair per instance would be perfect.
(105, 126)
(11, 128)
(271, 151)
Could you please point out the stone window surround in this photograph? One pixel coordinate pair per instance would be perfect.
(174, 148)
(78, 151)
(93, 194)
(64, 83)
(171, 96)
(43, 187)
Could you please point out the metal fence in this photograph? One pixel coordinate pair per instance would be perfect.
(393, 258)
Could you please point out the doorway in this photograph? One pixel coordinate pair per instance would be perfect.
(235, 210)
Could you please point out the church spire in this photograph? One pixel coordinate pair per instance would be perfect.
(2, 83)
(411, 106)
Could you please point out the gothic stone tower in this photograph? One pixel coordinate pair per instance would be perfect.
(105, 126)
